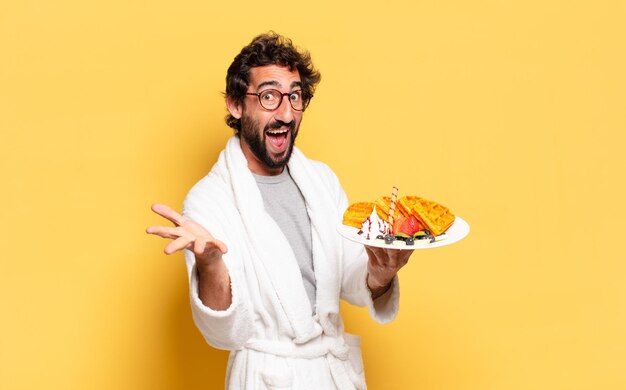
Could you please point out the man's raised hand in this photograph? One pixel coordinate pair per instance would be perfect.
(187, 234)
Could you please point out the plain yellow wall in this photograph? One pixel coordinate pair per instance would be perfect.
(512, 113)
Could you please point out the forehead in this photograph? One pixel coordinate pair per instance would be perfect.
(273, 76)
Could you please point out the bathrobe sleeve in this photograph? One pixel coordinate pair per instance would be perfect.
(354, 269)
(227, 329)
(224, 329)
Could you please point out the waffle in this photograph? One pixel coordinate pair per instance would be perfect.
(405, 204)
(432, 215)
(382, 208)
(357, 213)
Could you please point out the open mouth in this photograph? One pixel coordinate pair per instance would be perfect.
(277, 137)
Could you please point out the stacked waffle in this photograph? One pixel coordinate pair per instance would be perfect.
(357, 213)
(431, 215)
(434, 216)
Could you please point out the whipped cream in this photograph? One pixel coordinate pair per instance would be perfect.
(374, 226)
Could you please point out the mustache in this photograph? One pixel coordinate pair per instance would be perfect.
(277, 124)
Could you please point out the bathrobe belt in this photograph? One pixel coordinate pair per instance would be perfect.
(334, 349)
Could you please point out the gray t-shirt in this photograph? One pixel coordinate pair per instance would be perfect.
(284, 202)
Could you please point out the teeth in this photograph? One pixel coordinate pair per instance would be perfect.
(277, 131)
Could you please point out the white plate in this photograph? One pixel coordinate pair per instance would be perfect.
(455, 233)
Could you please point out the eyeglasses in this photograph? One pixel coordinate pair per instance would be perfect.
(271, 99)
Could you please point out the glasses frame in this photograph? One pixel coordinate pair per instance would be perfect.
(305, 102)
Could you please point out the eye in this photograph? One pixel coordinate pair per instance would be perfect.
(295, 96)
(268, 96)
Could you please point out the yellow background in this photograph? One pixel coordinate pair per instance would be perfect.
(512, 113)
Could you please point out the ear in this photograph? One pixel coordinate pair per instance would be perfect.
(235, 109)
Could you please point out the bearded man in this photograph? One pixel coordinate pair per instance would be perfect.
(266, 265)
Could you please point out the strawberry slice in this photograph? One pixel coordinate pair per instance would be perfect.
(397, 224)
(410, 226)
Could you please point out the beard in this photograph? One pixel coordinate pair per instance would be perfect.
(257, 141)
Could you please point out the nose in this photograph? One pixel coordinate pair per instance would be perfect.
(284, 112)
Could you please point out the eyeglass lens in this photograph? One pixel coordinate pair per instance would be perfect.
(271, 99)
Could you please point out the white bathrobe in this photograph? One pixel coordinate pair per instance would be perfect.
(275, 341)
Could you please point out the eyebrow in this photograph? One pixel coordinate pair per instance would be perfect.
(274, 83)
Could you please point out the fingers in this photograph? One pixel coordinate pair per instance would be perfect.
(168, 213)
(199, 246)
(397, 258)
(164, 231)
(186, 234)
(186, 241)
(375, 255)
(388, 258)
(219, 245)
(178, 244)
(384, 264)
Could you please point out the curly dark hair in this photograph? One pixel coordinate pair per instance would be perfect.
(268, 49)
